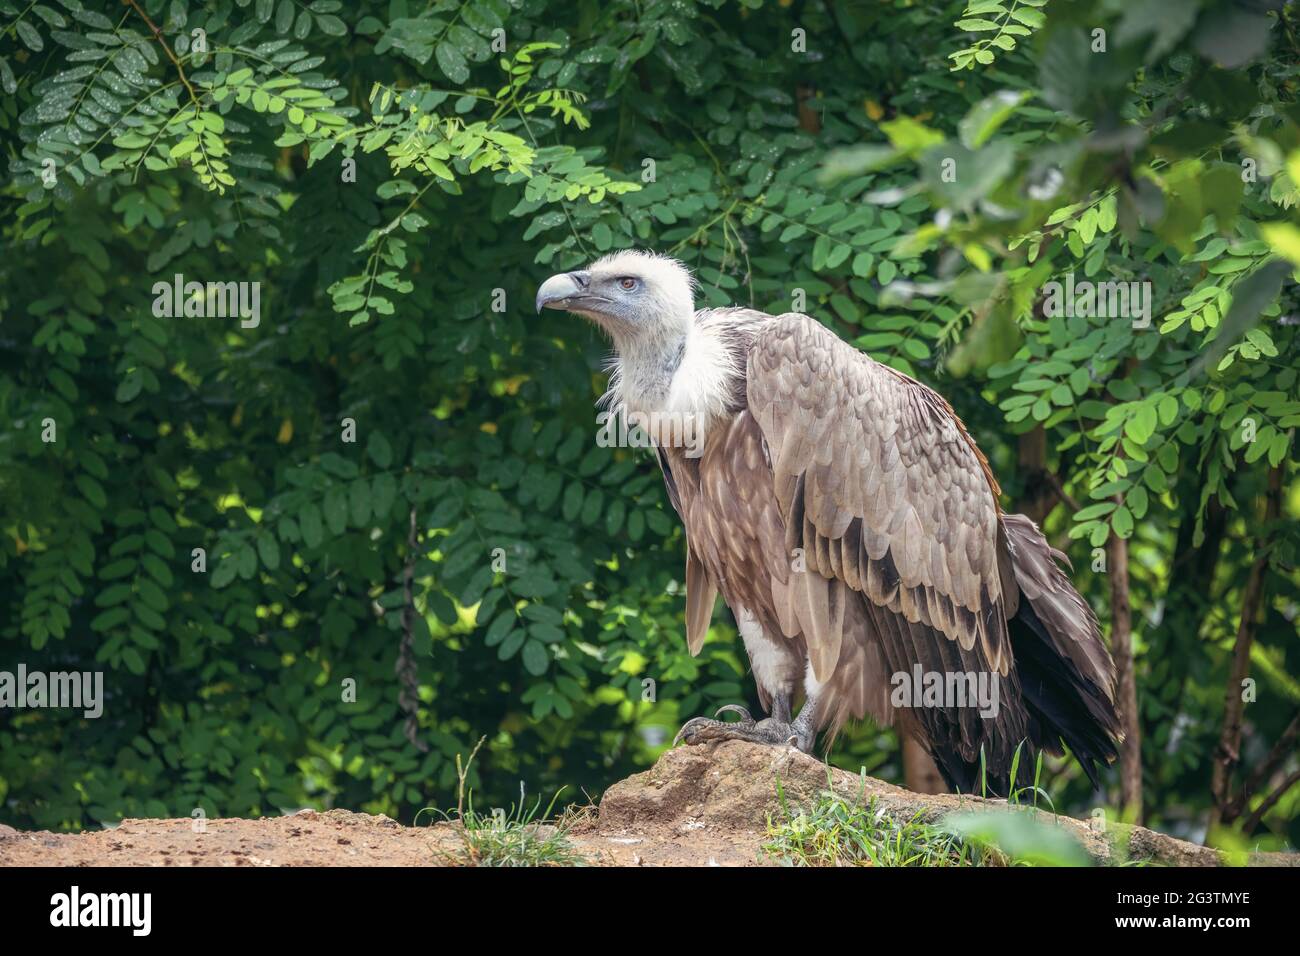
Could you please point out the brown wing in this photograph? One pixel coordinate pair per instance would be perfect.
(881, 486)
(894, 508)
(701, 595)
(701, 592)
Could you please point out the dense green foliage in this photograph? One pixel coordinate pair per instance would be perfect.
(399, 176)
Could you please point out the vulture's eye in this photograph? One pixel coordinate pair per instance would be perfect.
(627, 283)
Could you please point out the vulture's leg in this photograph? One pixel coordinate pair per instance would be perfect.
(781, 707)
(777, 668)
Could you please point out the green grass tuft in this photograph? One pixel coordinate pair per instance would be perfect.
(520, 837)
(839, 832)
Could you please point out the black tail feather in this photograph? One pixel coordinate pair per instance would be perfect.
(1066, 706)
(1065, 674)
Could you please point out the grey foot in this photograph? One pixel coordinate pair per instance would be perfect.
(769, 730)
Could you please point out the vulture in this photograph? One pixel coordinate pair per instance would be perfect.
(853, 528)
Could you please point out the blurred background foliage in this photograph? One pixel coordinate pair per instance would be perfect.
(399, 176)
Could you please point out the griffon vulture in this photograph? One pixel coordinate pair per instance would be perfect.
(853, 528)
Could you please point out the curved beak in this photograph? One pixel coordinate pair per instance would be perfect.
(565, 290)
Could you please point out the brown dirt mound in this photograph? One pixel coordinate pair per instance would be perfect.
(731, 788)
(698, 806)
(306, 838)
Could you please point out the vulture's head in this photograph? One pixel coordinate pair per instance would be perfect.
(638, 297)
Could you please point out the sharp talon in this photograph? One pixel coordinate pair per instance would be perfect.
(735, 709)
(688, 726)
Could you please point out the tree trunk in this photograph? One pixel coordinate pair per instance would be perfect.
(1188, 595)
(810, 120)
(1121, 647)
(1228, 754)
(406, 668)
(920, 774)
(1038, 496)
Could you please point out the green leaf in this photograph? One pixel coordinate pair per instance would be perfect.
(331, 25)
(29, 35)
(909, 135)
(547, 633)
(268, 549)
(336, 510)
(1029, 17)
(309, 521)
(1284, 239)
(1250, 296)
(359, 503)
(501, 626)
(510, 645)
(452, 63)
(986, 116)
(380, 452)
(536, 659)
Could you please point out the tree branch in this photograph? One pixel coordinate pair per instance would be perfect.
(1281, 750)
(1254, 819)
(1121, 648)
(1054, 480)
(158, 35)
(408, 675)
